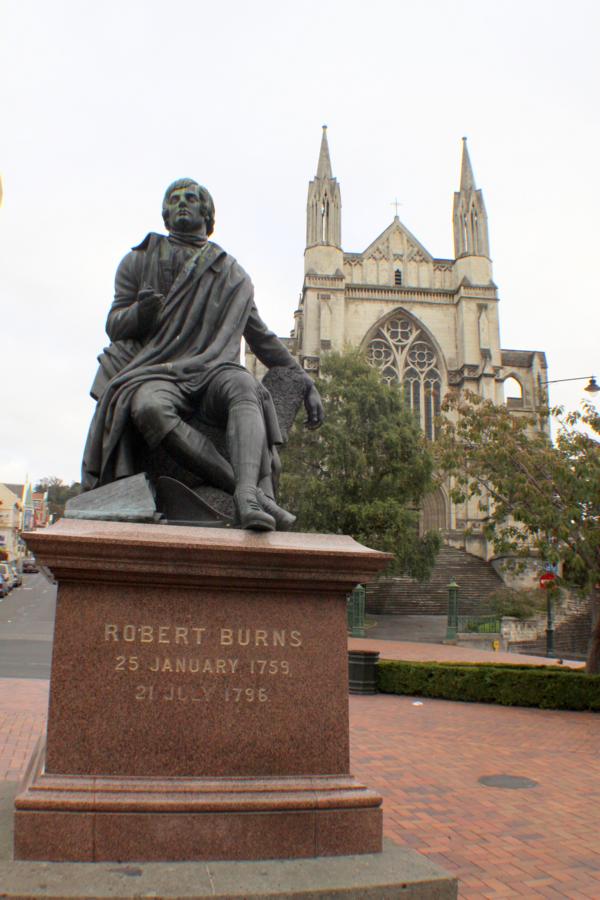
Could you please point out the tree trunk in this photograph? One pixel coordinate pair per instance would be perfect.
(592, 666)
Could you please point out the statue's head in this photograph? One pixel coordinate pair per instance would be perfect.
(185, 193)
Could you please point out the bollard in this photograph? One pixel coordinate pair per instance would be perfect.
(362, 673)
(452, 611)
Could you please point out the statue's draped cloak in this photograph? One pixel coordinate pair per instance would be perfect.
(207, 311)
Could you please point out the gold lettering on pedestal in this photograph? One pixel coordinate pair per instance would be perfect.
(149, 634)
(212, 674)
(247, 695)
(269, 667)
(176, 693)
(144, 692)
(259, 637)
(185, 693)
(127, 664)
(205, 694)
(194, 665)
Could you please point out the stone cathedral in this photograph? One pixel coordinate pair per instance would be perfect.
(427, 324)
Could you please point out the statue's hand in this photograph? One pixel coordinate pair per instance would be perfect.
(150, 306)
(313, 405)
(150, 299)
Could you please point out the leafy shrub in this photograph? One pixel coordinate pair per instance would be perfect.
(520, 604)
(547, 687)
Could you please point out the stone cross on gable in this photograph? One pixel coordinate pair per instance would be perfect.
(396, 203)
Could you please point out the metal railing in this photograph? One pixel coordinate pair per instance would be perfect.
(468, 624)
(478, 624)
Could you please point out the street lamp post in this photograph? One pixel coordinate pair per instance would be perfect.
(547, 580)
(550, 624)
(591, 387)
(547, 583)
(452, 628)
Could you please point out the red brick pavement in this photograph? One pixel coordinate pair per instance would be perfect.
(23, 707)
(447, 653)
(426, 760)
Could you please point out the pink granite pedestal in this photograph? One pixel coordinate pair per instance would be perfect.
(198, 698)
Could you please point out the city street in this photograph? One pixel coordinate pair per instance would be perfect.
(26, 623)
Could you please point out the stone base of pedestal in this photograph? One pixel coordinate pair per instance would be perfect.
(198, 698)
(85, 819)
(395, 872)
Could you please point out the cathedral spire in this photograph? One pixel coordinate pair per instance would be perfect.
(467, 180)
(469, 216)
(324, 166)
(324, 207)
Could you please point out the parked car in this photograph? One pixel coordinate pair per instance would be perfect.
(8, 576)
(4, 588)
(17, 575)
(30, 566)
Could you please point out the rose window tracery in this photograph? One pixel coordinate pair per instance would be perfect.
(405, 356)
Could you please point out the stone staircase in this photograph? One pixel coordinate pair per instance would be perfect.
(404, 596)
(571, 635)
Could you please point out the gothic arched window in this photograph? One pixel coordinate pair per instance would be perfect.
(398, 276)
(513, 392)
(405, 356)
(324, 219)
(475, 229)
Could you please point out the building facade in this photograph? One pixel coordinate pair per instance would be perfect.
(11, 522)
(20, 510)
(41, 513)
(428, 324)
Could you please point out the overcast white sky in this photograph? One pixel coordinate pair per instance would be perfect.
(104, 104)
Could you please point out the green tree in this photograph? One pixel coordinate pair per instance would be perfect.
(58, 494)
(542, 498)
(365, 471)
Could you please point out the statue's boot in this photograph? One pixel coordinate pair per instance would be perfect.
(245, 442)
(250, 513)
(284, 520)
(197, 453)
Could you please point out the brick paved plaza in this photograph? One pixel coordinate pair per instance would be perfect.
(426, 760)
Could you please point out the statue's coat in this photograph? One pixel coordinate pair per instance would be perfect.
(208, 309)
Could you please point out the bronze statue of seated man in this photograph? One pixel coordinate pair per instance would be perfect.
(182, 306)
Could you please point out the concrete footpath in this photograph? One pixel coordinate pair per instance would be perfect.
(427, 758)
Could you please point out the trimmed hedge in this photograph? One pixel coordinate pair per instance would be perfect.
(547, 687)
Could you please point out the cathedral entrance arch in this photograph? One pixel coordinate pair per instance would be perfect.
(405, 354)
(434, 514)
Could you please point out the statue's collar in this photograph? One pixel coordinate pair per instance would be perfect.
(186, 240)
(152, 236)
(177, 238)
(213, 255)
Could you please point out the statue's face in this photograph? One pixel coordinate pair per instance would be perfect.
(184, 211)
